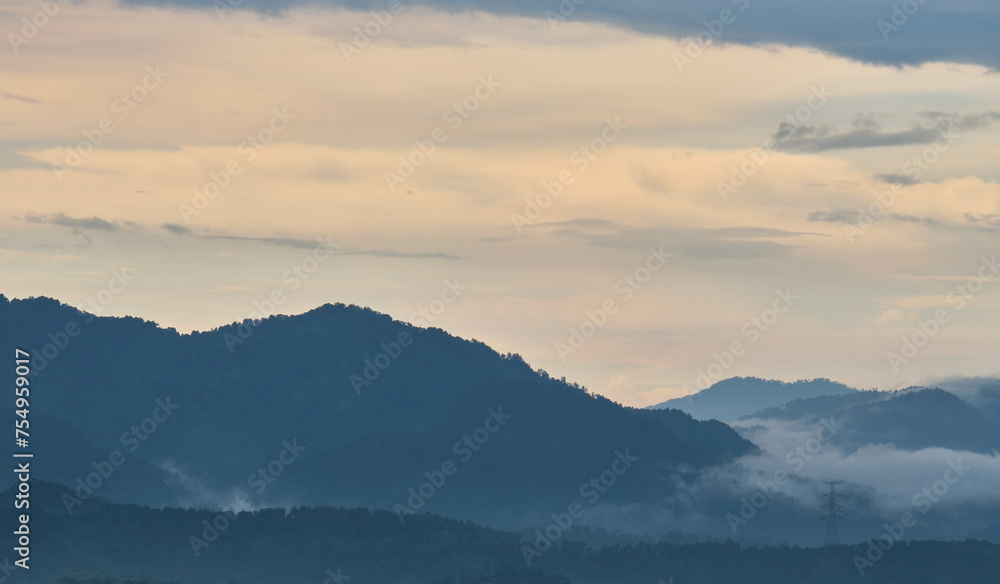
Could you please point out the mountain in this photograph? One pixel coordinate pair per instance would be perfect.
(910, 419)
(817, 407)
(338, 406)
(716, 438)
(68, 457)
(735, 397)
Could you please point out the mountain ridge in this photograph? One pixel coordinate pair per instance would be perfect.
(295, 378)
(735, 397)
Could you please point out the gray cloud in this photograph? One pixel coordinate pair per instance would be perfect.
(962, 31)
(851, 216)
(177, 229)
(981, 223)
(309, 244)
(897, 179)
(965, 122)
(644, 179)
(722, 243)
(10, 158)
(80, 225)
(835, 216)
(992, 220)
(925, 221)
(63, 220)
(14, 97)
(894, 474)
(583, 223)
(867, 132)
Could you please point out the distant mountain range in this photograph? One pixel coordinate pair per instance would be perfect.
(736, 397)
(910, 419)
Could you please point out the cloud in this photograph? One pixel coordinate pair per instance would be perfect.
(897, 179)
(847, 216)
(644, 179)
(585, 223)
(907, 218)
(889, 316)
(80, 225)
(871, 31)
(177, 229)
(979, 391)
(718, 243)
(894, 474)
(14, 97)
(295, 243)
(835, 216)
(193, 492)
(10, 158)
(311, 244)
(63, 220)
(867, 132)
(975, 222)
(992, 220)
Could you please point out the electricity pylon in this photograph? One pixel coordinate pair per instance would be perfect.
(832, 514)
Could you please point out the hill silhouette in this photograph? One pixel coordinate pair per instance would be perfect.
(909, 419)
(338, 406)
(733, 398)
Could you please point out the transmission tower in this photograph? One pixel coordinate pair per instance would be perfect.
(832, 514)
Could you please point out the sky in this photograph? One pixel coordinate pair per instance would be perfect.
(642, 197)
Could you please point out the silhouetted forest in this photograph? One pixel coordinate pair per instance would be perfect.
(112, 543)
